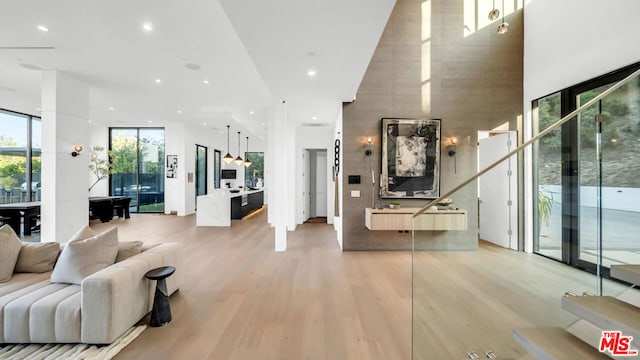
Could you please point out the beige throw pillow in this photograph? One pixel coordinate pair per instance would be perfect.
(127, 249)
(84, 233)
(81, 258)
(37, 257)
(10, 246)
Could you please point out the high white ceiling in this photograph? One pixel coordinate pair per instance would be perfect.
(252, 53)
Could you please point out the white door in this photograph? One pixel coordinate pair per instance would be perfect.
(498, 191)
(321, 184)
(306, 180)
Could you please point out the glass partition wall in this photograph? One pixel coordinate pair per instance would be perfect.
(586, 175)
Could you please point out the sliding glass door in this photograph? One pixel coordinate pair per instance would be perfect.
(609, 132)
(138, 164)
(587, 175)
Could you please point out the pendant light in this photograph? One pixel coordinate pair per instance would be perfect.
(228, 158)
(494, 13)
(239, 159)
(247, 162)
(504, 27)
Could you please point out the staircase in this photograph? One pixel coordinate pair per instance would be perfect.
(581, 340)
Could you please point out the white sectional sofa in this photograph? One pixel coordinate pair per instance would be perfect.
(33, 309)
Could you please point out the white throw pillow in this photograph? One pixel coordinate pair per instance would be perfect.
(10, 246)
(81, 258)
(37, 257)
(127, 249)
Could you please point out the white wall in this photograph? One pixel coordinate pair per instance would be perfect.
(312, 137)
(567, 42)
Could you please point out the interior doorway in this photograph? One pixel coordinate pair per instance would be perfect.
(498, 189)
(315, 186)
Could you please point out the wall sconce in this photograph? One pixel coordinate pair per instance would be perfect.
(76, 150)
(368, 151)
(451, 147)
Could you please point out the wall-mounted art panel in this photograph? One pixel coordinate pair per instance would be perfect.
(410, 158)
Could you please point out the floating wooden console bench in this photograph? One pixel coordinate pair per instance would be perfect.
(400, 219)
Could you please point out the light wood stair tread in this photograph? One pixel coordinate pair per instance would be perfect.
(606, 312)
(555, 343)
(629, 273)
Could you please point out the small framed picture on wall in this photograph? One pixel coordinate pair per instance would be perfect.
(172, 166)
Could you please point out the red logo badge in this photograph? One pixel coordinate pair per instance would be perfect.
(617, 344)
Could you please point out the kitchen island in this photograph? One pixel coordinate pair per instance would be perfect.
(222, 206)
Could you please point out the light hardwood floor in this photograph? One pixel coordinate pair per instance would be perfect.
(242, 300)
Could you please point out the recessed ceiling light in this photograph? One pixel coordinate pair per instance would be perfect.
(311, 73)
(314, 118)
(149, 121)
(43, 28)
(38, 109)
(147, 27)
(262, 124)
(250, 112)
(111, 108)
(158, 81)
(89, 121)
(179, 111)
(205, 81)
(205, 124)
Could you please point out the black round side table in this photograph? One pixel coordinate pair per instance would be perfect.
(161, 313)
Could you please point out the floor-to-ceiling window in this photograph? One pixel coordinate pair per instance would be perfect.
(201, 170)
(548, 197)
(20, 139)
(138, 167)
(587, 174)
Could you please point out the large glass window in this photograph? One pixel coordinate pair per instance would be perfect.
(138, 167)
(20, 139)
(548, 197)
(254, 174)
(586, 174)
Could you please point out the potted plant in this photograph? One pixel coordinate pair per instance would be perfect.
(545, 202)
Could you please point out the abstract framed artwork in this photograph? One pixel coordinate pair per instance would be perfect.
(172, 166)
(410, 158)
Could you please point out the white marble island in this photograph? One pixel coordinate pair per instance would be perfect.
(221, 206)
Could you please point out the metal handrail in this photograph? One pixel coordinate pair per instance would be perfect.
(528, 142)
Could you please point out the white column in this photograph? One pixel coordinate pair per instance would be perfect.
(280, 169)
(65, 179)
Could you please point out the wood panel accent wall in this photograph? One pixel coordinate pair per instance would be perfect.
(424, 67)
